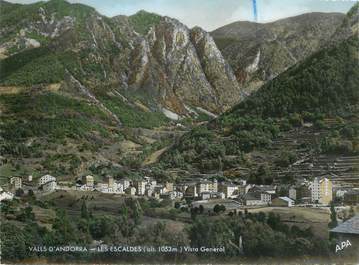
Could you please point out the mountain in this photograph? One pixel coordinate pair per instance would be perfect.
(349, 26)
(158, 60)
(83, 93)
(301, 124)
(259, 52)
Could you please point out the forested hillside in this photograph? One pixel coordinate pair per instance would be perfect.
(309, 110)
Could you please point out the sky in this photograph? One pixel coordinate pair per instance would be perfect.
(212, 14)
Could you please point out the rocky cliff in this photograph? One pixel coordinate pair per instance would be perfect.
(259, 52)
(157, 58)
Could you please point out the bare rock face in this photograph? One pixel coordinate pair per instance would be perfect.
(159, 58)
(182, 66)
(259, 52)
(348, 28)
(175, 67)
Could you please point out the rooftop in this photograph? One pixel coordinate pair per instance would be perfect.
(286, 199)
(350, 226)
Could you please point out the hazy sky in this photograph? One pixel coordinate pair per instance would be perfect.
(211, 14)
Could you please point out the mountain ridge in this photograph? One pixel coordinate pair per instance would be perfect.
(260, 51)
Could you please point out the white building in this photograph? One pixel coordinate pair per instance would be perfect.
(340, 193)
(140, 187)
(292, 193)
(321, 190)
(49, 186)
(125, 183)
(88, 181)
(4, 195)
(120, 188)
(315, 190)
(172, 195)
(228, 189)
(16, 183)
(257, 198)
(46, 178)
(159, 189)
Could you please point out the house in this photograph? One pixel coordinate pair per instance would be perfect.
(242, 182)
(125, 183)
(218, 195)
(255, 198)
(213, 186)
(321, 191)
(182, 187)
(347, 232)
(171, 195)
(211, 195)
(169, 186)
(15, 183)
(228, 189)
(292, 193)
(203, 186)
(46, 178)
(29, 178)
(120, 188)
(339, 193)
(191, 191)
(149, 191)
(265, 188)
(110, 181)
(303, 192)
(160, 189)
(351, 197)
(156, 195)
(282, 202)
(207, 186)
(88, 181)
(49, 186)
(5, 195)
(205, 195)
(243, 189)
(140, 186)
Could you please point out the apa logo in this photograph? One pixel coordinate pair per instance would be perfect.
(342, 245)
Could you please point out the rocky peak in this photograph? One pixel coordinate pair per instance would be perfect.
(183, 67)
(259, 52)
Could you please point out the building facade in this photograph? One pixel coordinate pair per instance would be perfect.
(321, 191)
(16, 183)
(46, 178)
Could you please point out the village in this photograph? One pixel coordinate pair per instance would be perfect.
(318, 192)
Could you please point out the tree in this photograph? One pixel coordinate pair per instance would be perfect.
(12, 242)
(216, 208)
(333, 216)
(219, 208)
(201, 209)
(177, 205)
(194, 212)
(26, 215)
(31, 193)
(84, 211)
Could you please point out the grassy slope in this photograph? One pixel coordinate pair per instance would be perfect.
(49, 132)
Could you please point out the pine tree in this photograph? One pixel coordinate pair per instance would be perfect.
(84, 211)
